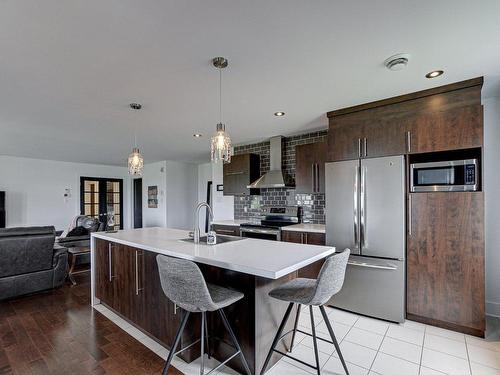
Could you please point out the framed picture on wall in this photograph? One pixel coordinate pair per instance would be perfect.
(153, 196)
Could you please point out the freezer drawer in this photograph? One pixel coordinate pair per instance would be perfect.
(373, 287)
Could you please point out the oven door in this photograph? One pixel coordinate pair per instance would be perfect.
(454, 175)
(261, 233)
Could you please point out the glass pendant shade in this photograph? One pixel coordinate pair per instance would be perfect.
(221, 149)
(135, 162)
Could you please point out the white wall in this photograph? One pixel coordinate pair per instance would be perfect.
(177, 194)
(34, 190)
(492, 203)
(181, 194)
(154, 175)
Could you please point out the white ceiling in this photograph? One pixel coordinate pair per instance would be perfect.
(68, 69)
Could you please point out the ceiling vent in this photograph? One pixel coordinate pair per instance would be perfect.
(397, 62)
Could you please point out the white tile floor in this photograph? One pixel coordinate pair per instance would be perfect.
(370, 347)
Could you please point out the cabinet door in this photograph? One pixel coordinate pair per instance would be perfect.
(103, 280)
(458, 128)
(384, 138)
(344, 141)
(445, 266)
(313, 238)
(289, 236)
(241, 172)
(310, 167)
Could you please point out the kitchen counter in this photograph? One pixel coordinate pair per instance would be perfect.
(231, 223)
(125, 278)
(311, 228)
(269, 259)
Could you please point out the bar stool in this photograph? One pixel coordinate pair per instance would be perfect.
(310, 292)
(183, 283)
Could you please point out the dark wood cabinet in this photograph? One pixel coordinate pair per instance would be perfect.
(103, 277)
(241, 172)
(445, 251)
(228, 230)
(310, 167)
(308, 238)
(385, 137)
(459, 128)
(344, 141)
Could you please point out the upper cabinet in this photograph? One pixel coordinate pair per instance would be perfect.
(448, 130)
(310, 168)
(241, 172)
(439, 119)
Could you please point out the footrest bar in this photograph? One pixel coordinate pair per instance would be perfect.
(295, 359)
(223, 363)
(319, 338)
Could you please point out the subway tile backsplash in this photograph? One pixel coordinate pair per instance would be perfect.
(249, 207)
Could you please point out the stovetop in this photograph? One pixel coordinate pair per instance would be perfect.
(277, 217)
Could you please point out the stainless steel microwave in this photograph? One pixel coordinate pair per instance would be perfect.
(453, 175)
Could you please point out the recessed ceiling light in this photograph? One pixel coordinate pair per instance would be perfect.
(197, 135)
(434, 74)
(279, 114)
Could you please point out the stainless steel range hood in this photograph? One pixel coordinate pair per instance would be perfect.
(275, 178)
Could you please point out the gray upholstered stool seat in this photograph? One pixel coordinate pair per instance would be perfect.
(223, 297)
(184, 284)
(296, 290)
(311, 293)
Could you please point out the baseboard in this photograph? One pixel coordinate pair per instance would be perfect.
(446, 325)
(493, 309)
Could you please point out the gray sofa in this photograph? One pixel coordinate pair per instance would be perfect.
(30, 261)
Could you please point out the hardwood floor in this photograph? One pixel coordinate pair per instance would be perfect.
(57, 332)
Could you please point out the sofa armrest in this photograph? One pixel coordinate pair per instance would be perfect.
(59, 251)
(64, 240)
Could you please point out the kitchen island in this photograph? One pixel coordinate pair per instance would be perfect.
(125, 279)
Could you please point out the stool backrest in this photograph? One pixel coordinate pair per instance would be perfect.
(331, 277)
(184, 284)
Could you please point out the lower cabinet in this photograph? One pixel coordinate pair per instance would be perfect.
(445, 260)
(127, 280)
(308, 238)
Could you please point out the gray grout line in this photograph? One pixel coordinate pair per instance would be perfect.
(468, 357)
(378, 350)
(422, 352)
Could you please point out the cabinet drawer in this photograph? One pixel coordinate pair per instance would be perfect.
(227, 230)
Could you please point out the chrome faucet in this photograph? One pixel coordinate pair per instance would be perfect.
(196, 231)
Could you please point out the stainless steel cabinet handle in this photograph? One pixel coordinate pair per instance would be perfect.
(225, 231)
(359, 148)
(410, 216)
(370, 265)
(317, 178)
(307, 239)
(356, 199)
(408, 141)
(175, 309)
(366, 147)
(234, 173)
(302, 238)
(313, 178)
(110, 267)
(137, 289)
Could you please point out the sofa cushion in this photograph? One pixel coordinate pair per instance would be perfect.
(24, 250)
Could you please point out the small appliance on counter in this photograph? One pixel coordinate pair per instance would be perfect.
(273, 218)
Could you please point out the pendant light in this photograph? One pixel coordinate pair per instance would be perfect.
(221, 149)
(135, 159)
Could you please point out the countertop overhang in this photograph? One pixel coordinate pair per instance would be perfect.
(269, 259)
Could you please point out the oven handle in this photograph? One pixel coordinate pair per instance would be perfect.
(262, 231)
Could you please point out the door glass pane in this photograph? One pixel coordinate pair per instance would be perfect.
(91, 198)
(91, 186)
(117, 209)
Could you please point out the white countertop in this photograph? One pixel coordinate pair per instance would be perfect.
(232, 223)
(311, 228)
(269, 259)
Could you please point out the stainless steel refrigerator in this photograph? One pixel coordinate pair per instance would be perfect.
(365, 212)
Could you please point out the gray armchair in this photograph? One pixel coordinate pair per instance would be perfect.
(87, 222)
(30, 261)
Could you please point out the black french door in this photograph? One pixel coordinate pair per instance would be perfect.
(102, 198)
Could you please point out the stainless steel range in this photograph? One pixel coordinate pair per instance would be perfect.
(273, 219)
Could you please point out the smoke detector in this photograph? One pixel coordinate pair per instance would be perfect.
(397, 62)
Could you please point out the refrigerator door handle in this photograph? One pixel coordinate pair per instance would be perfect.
(387, 266)
(363, 238)
(356, 200)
